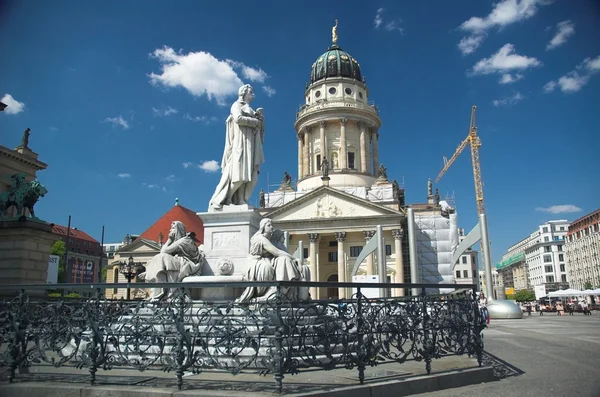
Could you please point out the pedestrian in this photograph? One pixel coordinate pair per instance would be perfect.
(482, 302)
(542, 307)
(528, 306)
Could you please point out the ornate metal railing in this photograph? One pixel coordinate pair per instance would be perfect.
(278, 336)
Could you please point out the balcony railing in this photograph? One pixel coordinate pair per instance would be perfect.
(277, 336)
(325, 104)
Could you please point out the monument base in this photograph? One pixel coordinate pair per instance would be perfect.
(24, 252)
(214, 294)
(227, 234)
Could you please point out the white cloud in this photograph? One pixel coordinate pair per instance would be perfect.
(12, 105)
(509, 100)
(124, 175)
(164, 112)
(187, 164)
(209, 166)
(154, 186)
(117, 121)
(390, 26)
(576, 79)
(53, 129)
(565, 30)
(469, 44)
(508, 78)
(505, 60)
(268, 90)
(254, 74)
(559, 209)
(171, 178)
(504, 13)
(379, 18)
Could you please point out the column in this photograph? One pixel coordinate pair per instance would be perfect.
(323, 147)
(306, 154)
(399, 264)
(374, 140)
(341, 262)
(300, 156)
(368, 234)
(363, 147)
(343, 147)
(314, 269)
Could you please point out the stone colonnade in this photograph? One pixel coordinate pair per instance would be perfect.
(343, 270)
(368, 142)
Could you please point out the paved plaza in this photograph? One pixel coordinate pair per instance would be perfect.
(546, 356)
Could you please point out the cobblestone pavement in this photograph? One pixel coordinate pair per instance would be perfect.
(539, 356)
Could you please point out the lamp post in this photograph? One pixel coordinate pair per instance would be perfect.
(129, 269)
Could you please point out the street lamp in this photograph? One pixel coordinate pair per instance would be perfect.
(129, 269)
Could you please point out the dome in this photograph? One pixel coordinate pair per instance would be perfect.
(335, 62)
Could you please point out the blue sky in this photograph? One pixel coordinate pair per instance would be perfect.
(116, 94)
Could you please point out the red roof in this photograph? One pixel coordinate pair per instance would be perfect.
(192, 223)
(75, 233)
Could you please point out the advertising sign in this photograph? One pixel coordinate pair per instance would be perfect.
(370, 293)
(540, 291)
(52, 275)
(81, 271)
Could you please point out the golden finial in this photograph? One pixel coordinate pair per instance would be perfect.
(334, 36)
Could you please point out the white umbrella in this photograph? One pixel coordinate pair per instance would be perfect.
(588, 292)
(558, 293)
(596, 291)
(565, 292)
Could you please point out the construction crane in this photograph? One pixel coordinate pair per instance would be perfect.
(475, 143)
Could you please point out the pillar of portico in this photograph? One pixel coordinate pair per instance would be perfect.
(375, 144)
(341, 262)
(322, 145)
(343, 147)
(313, 238)
(306, 155)
(363, 147)
(300, 156)
(399, 263)
(368, 234)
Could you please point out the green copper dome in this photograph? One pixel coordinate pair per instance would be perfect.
(335, 63)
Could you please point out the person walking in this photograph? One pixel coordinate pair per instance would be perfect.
(528, 306)
(482, 302)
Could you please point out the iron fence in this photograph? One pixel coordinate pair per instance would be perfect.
(275, 337)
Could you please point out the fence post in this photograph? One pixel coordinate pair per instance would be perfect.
(179, 325)
(360, 351)
(427, 343)
(279, 329)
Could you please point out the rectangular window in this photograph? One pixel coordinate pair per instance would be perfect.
(474, 259)
(465, 273)
(305, 253)
(388, 250)
(562, 267)
(549, 279)
(545, 229)
(332, 257)
(333, 243)
(458, 274)
(556, 238)
(561, 257)
(563, 278)
(548, 268)
(548, 249)
(560, 248)
(318, 162)
(355, 251)
(547, 258)
(546, 239)
(464, 259)
(351, 160)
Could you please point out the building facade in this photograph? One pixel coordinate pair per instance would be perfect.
(582, 251)
(84, 255)
(537, 260)
(466, 269)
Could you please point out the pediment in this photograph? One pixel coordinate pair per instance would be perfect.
(328, 203)
(139, 246)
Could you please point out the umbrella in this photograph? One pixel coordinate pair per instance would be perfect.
(588, 292)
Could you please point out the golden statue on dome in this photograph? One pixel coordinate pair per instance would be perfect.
(334, 36)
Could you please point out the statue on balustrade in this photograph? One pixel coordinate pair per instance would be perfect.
(179, 257)
(243, 152)
(270, 261)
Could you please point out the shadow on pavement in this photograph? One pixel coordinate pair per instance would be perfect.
(502, 369)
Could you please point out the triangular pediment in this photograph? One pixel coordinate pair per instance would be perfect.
(138, 246)
(328, 203)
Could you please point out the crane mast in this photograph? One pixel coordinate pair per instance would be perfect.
(473, 141)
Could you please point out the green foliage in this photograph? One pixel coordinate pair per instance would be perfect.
(524, 295)
(588, 285)
(59, 248)
(104, 271)
(72, 295)
(54, 294)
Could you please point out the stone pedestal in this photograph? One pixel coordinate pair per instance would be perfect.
(24, 252)
(227, 234)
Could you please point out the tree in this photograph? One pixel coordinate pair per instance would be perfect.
(588, 285)
(59, 248)
(524, 295)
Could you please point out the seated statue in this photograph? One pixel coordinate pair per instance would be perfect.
(270, 261)
(179, 257)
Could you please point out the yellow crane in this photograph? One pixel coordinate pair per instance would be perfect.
(475, 143)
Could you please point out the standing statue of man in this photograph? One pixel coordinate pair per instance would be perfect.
(243, 152)
(325, 166)
(429, 187)
(25, 139)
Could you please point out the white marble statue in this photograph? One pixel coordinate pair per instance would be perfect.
(243, 152)
(179, 257)
(270, 261)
